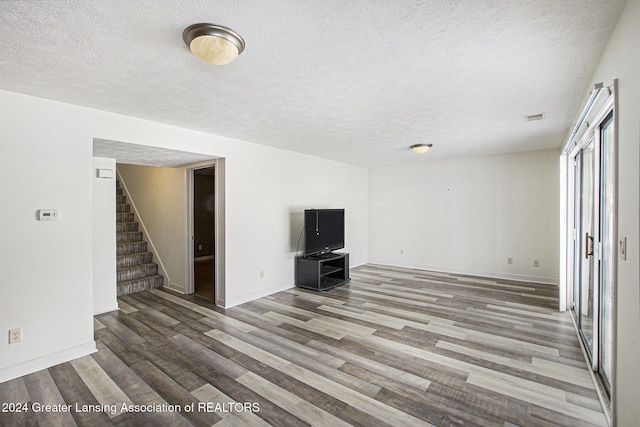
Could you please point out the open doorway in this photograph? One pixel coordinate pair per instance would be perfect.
(173, 240)
(203, 237)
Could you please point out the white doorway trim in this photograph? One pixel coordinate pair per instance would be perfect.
(219, 227)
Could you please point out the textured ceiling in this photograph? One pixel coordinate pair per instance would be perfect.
(354, 81)
(144, 155)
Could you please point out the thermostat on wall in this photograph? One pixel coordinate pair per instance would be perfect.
(48, 214)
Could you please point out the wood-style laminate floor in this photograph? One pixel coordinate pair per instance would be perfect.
(393, 347)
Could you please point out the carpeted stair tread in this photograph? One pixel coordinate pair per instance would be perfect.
(123, 208)
(136, 271)
(123, 227)
(129, 260)
(129, 236)
(124, 217)
(139, 285)
(131, 248)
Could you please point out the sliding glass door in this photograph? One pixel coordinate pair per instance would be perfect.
(608, 247)
(593, 243)
(585, 274)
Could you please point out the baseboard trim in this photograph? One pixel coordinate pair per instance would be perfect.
(228, 303)
(106, 310)
(487, 274)
(176, 288)
(47, 361)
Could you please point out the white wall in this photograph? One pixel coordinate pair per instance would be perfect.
(469, 215)
(104, 238)
(622, 61)
(160, 198)
(48, 267)
(271, 195)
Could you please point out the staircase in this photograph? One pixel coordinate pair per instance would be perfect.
(136, 271)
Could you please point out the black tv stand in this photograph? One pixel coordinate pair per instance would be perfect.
(323, 271)
(324, 255)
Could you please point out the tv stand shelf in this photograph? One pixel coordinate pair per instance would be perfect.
(322, 272)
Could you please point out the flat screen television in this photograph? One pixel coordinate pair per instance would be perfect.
(323, 230)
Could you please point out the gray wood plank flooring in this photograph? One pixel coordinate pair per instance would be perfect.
(393, 347)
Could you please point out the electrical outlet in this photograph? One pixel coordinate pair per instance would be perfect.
(509, 260)
(15, 335)
(262, 274)
(401, 251)
(536, 263)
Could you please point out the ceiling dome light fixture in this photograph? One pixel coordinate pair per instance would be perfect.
(212, 43)
(421, 148)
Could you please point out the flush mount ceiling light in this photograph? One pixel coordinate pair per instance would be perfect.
(212, 43)
(421, 148)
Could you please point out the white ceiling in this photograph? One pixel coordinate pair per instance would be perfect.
(355, 81)
(145, 155)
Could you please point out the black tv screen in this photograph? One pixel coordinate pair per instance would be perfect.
(324, 230)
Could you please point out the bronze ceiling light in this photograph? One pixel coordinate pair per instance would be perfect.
(213, 43)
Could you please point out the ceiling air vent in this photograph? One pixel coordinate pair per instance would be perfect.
(534, 117)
